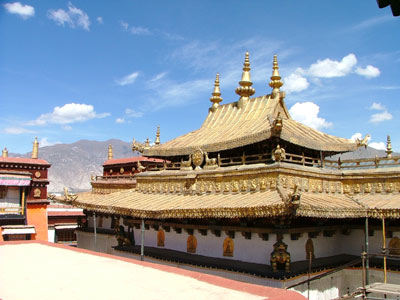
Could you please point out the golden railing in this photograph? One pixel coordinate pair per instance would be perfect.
(266, 158)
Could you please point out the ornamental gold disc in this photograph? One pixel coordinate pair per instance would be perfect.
(198, 158)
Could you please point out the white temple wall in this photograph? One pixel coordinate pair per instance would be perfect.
(104, 242)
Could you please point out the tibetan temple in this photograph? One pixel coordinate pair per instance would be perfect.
(251, 195)
(23, 197)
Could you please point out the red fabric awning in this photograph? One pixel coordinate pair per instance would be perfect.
(14, 180)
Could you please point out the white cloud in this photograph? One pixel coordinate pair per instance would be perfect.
(99, 20)
(139, 30)
(373, 22)
(377, 106)
(368, 72)
(158, 77)
(44, 142)
(378, 146)
(120, 120)
(128, 79)
(295, 83)
(66, 127)
(307, 113)
(69, 113)
(328, 68)
(133, 114)
(383, 115)
(17, 130)
(124, 25)
(24, 11)
(380, 117)
(74, 17)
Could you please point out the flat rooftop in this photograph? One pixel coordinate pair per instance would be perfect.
(42, 270)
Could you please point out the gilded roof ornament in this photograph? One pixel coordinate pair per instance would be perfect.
(35, 150)
(389, 150)
(110, 152)
(216, 95)
(275, 82)
(147, 143)
(363, 142)
(5, 152)
(245, 90)
(137, 146)
(157, 141)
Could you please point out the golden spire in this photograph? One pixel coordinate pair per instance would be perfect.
(35, 150)
(5, 152)
(110, 152)
(389, 147)
(157, 141)
(245, 90)
(216, 95)
(147, 143)
(275, 82)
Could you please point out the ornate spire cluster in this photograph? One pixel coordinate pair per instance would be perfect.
(275, 82)
(389, 150)
(5, 152)
(216, 95)
(110, 152)
(245, 90)
(35, 150)
(157, 141)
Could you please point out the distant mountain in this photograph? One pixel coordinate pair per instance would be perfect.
(73, 164)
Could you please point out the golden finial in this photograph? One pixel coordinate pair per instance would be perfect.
(275, 82)
(5, 152)
(388, 147)
(35, 150)
(110, 152)
(147, 143)
(245, 90)
(216, 95)
(157, 141)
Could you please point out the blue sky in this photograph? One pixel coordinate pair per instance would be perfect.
(99, 69)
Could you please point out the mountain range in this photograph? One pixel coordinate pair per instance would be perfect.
(73, 164)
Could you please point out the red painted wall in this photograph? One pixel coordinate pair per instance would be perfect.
(37, 215)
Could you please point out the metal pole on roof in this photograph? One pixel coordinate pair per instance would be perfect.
(366, 251)
(384, 249)
(142, 245)
(95, 231)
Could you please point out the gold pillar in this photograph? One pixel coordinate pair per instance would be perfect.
(110, 152)
(5, 152)
(23, 201)
(35, 150)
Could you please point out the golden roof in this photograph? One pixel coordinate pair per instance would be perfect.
(248, 121)
(270, 203)
(229, 127)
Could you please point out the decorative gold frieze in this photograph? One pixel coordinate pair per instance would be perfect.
(235, 186)
(378, 187)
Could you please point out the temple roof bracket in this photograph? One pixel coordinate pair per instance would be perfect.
(245, 90)
(216, 95)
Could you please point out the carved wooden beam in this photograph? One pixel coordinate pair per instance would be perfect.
(263, 236)
(178, 230)
(246, 235)
(203, 231)
(230, 233)
(216, 232)
(328, 233)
